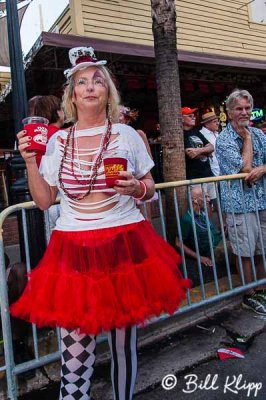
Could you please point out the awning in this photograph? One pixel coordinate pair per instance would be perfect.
(4, 50)
(55, 40)
(48, 58)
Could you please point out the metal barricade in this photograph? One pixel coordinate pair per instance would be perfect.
(192, 302)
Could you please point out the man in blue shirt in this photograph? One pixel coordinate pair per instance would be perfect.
(240, 148)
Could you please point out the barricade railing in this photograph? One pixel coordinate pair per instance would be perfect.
(217, 292)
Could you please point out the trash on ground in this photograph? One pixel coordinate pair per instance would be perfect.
(230, 352)
(212, 330)
(243, 342)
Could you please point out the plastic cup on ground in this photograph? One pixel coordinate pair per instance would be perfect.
(37, 129)
(114, 161)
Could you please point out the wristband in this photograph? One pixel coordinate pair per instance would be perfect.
(144, 191)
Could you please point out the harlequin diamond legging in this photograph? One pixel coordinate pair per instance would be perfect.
(78, 358)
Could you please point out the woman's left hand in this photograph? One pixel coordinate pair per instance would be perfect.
(128, 187)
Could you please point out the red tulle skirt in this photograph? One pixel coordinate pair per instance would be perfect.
(103, 279)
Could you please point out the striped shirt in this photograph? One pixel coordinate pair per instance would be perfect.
(77, 215)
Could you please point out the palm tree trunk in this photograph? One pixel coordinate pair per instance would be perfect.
(169, 102)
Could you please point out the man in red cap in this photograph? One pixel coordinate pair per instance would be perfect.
(188, 110)
(197, 147)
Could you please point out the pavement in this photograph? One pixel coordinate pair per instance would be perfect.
(178, 347)
(187, 349)
(231, 379)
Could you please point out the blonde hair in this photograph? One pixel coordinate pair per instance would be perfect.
(113, 97)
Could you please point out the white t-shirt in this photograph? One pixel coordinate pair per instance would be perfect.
(211, 137)
(124, 210)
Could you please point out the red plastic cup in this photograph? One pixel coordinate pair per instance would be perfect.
(37, 129)
(114, 161)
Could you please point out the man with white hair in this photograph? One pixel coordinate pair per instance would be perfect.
(205, 243)
(210, 126)
(241, 148)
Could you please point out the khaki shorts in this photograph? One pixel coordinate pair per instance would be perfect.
(247, 236)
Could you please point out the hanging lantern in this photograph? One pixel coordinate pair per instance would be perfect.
(230, 87)
(188, 86)
(133, 82)
(218, 87)
(203, 87)
(151, 83)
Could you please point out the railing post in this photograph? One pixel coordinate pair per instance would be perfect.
(6, 327)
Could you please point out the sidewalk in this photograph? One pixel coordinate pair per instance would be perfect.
(215, 379)
(175, 346)
(187, 349)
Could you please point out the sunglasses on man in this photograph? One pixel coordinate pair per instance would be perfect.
(190, 116)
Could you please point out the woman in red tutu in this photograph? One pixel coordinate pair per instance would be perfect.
(105, 268)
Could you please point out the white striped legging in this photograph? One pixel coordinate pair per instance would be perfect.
(78, 358)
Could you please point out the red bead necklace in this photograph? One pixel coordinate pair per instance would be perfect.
(96, 164)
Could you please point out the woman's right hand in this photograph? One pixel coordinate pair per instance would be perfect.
(23, 144)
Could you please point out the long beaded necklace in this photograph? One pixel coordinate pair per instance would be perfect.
(200, 221)
(94, 169)
(83, 172)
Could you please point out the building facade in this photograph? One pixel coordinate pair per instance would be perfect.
(221, 45)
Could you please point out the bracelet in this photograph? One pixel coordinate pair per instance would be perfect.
(144, 192)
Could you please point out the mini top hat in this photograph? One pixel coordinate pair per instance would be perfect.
(208, 117)
(129, 113)
(188, 110)
(124, 110)
(82, 57)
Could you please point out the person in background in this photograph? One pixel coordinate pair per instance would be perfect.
(128, 116)
(155, 140)
(210, 126)
(105, 268)
(156, 134)
(198, 151)
(241, 148)
(262, 127)
(16, 276)
(204, 245)
(48, 107)
(201, 229)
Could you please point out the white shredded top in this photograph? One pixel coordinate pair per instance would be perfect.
(76, 215)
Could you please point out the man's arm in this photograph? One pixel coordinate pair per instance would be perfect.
(192, 254)
(256, 173)
(247, 150)
(200, 151)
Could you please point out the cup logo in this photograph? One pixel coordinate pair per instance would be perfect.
(41, 137)
(113, 169)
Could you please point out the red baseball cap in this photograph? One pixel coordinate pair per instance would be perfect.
(188, 110)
